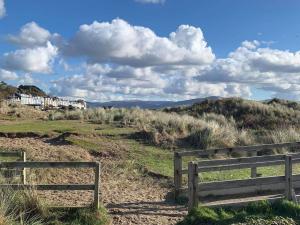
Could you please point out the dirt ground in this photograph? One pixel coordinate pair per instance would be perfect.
(128, 197)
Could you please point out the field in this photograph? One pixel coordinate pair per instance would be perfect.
(136, 149)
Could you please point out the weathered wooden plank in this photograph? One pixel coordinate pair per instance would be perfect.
(254, 159)
(193, 186)
(254, 169)
(49, 187)
(216, 185)
(243, 202)
(251, 148)
(177, 175)
(247, 190)
(24, 169)
(296, 159)
(97, 186)
(240, 166)
(288, 178)
(11, 154)
(47, 164)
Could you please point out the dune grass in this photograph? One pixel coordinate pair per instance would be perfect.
(263, 213)
(146, 156)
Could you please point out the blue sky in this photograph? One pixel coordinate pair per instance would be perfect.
(225, 47)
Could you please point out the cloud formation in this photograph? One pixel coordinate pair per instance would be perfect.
(117, 60)
(31, 35)
(269, 69)
(7, 75)
(121, 43)
(34, 60)
(107, 82)
(2, 9)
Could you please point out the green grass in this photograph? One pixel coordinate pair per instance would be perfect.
(45, 127)
(263, 213)
(149, 158)
(74, 216)
(154, 159)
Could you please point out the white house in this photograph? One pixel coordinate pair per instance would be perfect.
(46, 102)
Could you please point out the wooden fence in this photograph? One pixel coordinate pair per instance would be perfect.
(21, 155)
(61, 187)
(179, 171)
(250, 187)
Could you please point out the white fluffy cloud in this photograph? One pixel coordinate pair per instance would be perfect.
(122, 43)
(269, 69)
(106, 82)
(2, 8)
(151, 1)
(31, 35)
(7, 75)
(132, 62)
(35, 60)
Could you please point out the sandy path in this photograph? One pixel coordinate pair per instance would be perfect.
(128, 198)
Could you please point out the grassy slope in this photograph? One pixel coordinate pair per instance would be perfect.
(146, 157)
(248, 113)
(151, 158)
(262, 213)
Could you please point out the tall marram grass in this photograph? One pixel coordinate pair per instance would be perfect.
(170, 129)
(211, 130)
(21, 207)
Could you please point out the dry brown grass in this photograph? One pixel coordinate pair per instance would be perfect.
(15, 111)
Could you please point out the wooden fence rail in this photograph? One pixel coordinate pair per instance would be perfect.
(179, 171)
(282, 184)
(58, 165)
(16, 154)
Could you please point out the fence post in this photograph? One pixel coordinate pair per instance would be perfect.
(254, 169)
(23, 155)
(177, 174)
(97, 186)
(193, 185)
(288, 178)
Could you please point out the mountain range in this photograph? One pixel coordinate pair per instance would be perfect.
(149, 104)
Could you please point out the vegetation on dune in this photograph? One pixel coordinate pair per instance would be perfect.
(248, 113)
(15, 111)
(264, 213)
(165, 129)
(206, 130)
(21, 207)
(79, 217)
(136, 137)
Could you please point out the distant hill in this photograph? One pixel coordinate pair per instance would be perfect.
(149, 104)
(8, 90)
(247, 113)
(31, 90)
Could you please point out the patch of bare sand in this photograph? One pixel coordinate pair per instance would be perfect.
(129, 198)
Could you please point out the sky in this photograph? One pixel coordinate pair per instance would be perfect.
(103, 50)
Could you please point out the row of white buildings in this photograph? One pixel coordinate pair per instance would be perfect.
(46, 102)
